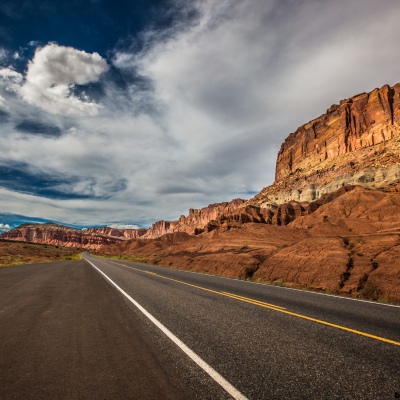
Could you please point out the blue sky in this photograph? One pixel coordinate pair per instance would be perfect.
(124, 113)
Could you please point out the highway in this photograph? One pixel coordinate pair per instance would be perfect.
(116, 329)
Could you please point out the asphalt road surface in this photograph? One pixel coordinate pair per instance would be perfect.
(109, 329)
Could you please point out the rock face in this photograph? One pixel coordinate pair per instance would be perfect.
(120, 233)
(196, 221)
(59, 235)
(160, 228)
(354, 143)
(365, 120)
(238, 217)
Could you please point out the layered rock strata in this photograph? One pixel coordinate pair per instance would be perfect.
(119, 233)
(196, 221)
(59, 235)
(354, 143)
(362, 121)
(49, 233)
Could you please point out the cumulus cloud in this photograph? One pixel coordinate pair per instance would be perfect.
(4, 227)
(52, 75)
(11, 80)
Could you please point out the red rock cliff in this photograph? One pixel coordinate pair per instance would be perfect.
(362, 121)
(121, 233)
(59, 235)
(196, 221)
(354, 143)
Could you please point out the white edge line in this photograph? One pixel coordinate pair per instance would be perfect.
(198, 360)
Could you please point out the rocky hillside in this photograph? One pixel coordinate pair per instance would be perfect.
(347, 242)
(354, 143)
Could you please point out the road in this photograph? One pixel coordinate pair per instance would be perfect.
(115, 329)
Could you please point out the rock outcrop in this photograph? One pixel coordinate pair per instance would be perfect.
(362, 121)
(119, 233)
(160, 228)
(354, 143)
(59, 235)
(238, 217)
(196, 221)
(330, 221)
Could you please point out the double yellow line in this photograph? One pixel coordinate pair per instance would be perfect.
(269, 306)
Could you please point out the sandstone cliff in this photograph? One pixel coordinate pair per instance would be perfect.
(356, 142)
(59, 235)
(196, 221)
(119, 233)
(365, 120)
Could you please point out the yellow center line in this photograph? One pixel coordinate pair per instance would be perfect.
(257, 302)
(272, 307)
(226, 294)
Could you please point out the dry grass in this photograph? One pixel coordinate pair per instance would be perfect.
(14, 253)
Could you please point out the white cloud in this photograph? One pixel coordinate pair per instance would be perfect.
(122, 226)
(53, 73)
(3, 102)
(11, 80)
(4, 227)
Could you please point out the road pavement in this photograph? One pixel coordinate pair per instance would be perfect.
(115, 329)
(65, 333)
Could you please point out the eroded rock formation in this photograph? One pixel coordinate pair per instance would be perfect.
(124, 233)
(59, 235)
(54, 234)
(196, 221)
(365, 120)
(354, 143)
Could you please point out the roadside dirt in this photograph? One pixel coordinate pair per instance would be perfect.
(14, 253)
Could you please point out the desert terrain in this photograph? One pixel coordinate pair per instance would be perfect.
(15, 253)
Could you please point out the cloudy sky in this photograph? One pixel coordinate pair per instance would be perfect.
(123, 113)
